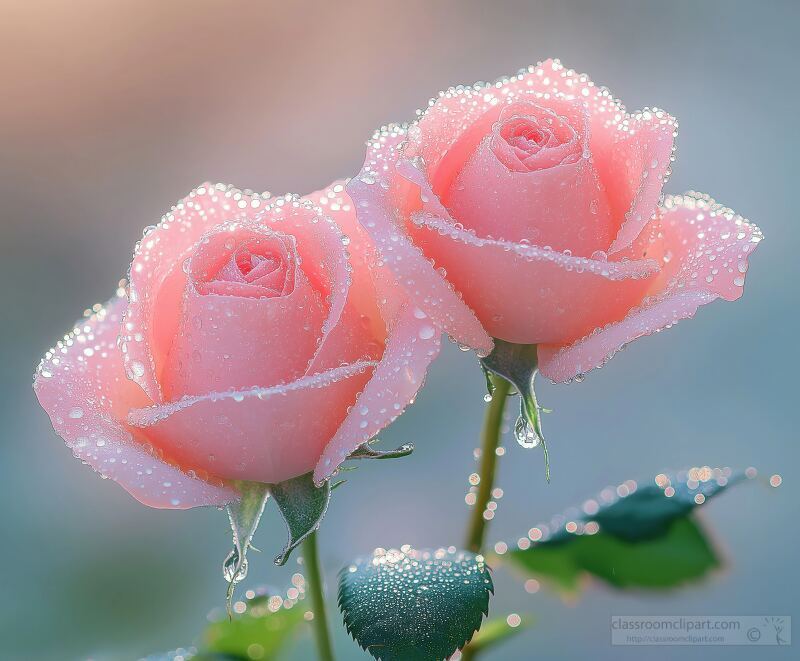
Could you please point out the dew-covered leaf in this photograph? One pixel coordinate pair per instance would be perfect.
(302, 505)
(631, 536)
(366, 451)
(261, 632)
(518, 364)
(414, 604)
(244, 515)
(497, 630)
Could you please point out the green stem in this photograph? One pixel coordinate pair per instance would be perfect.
(315, 584)
(490, 441)
(492, 422)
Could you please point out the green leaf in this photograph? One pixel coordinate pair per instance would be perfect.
(681, 554)
(244, 516)
(302, 505)
(414, 604)
(497, 630)
(261, 632)
(646, 538)
(366, 451)
(647, 511)
(518, 364)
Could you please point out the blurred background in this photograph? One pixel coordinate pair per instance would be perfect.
(111, 111)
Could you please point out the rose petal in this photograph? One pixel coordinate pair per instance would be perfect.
(81, 383)
(703, 248)
(635, 169)
(632, 147)
(378, 216)
(325, 261)
(527, 294)
(157, 280)
(413, 344)
(233, 341)
(632, 152)
(266, 434)
(361, 331)
(562, 206)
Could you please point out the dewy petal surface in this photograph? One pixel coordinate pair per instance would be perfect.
(268, 434)
(412, 346)
(628, 155)
(258, 336)
(703, 248)
(380, 212)
(630, 152)
(550, 296)
(157, 280)
(380, 305)
(82, 385)
(562, 205)
(362, 329)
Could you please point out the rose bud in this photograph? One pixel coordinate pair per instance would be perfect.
(528, 211)
(259, 339)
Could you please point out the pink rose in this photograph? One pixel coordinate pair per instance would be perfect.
(258, 340)
(528, 210)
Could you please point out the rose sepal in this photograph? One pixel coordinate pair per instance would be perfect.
(518, 364)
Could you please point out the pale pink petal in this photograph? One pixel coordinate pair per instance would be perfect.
(635, 170)
(234, 341)
(632, 152)
(375, 302)
(473, 109)
(562, 206)
(527, 294)
(546, 293)
(361, 331)
(413, 344)
(81, 383)
(325, 261)
(377, 209)
(266, 434)
(703, 248)
(157, 280)
(563, 364)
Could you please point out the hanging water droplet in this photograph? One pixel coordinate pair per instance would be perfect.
(525, 434)
(232, 569)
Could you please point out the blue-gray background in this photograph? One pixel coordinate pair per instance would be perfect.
(112, 111)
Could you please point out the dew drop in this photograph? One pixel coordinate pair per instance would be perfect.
(525, 434)
(427, 332)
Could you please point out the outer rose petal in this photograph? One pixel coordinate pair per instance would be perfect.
(704, 249)
(82, 385)
(411, 346)
(528, 295)
(260, 434)
(634, 170)
(377, 212)
(361, 332)
(563, 296)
